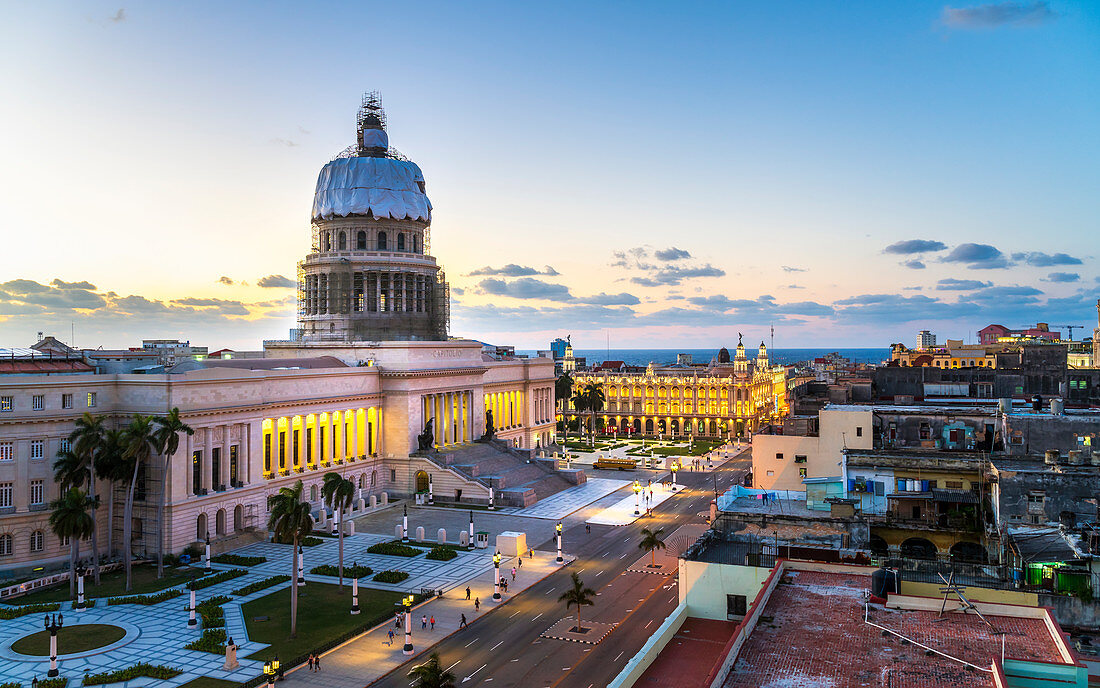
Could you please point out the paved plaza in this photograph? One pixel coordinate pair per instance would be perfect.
(560, 505)
(622, 513)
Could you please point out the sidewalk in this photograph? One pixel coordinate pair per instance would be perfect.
(368, 657)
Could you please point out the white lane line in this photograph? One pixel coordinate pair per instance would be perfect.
(647, 625)
(475, 671)
(539, 614)
(496, 646)
(513, 614)
(452, 666)
(516, 659)
(472, 642)
(624, 554)
(549, 591)
(598, 574)
(617, 656)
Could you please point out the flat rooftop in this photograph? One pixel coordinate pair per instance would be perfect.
(689, 655)
(812, 634)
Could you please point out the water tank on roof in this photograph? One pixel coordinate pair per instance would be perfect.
(1051, 457)
(884, 582)
(1058, 407)
(1004, 405)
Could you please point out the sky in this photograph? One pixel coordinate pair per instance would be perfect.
(639, 174)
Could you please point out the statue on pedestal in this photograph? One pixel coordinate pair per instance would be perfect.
(230, 656)
(426, 439)
(489, 429)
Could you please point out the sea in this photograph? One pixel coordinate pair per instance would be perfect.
(642, 357)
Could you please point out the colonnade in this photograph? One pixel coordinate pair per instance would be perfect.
(319, 440)
(372, 291)
(507, 408)
(219, 455)
(452, 416)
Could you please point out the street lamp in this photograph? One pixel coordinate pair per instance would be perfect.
(557, 529)
(208, 570)
(191, 621)
(81, 571)
(405, 524)
(407, 602)
(471, 544)
(496, 577)
(637, 498)
(301, 566)
(53, 626)
(492, 507)
(431, 491)
(269, 671)
(674, 467)
(354, 595)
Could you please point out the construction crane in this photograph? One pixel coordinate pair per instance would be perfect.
(1070, 329)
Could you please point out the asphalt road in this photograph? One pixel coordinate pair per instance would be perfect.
(505, 648)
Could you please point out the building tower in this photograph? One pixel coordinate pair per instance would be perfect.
(762, 358)
(369, 275)
(1096, 337)
(740, 361)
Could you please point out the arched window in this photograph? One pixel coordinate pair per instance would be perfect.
(373, 477)
(5, 545)
(342, 242)
(381, 241)
(328, 241)
(313, 493)
(415, 244)
(400, 242)
(37, 541)
(361, 241)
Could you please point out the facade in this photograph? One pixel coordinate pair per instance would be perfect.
(992, 334)
(925, 340)
(718, 400)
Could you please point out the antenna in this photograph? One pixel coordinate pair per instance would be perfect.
(966, 605)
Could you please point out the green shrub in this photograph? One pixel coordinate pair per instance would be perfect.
(130, 673)
(11, 684)
(212, 640)
(312, 541)
(260, 585)
(59, 682)
(144, 599)
(238, 560)
(349, 571)
(194, 551)
(200, 583)
(391, 576)
(395, 549)
(16, 612)
(213, 616)
(442, 554)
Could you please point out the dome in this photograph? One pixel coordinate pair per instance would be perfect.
(723, 355)
(382, 187)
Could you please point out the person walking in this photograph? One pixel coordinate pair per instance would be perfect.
(316, 662)
(477, 604)
(587, 529)
(462, 623)
(423, 622)
(310, 660)
(391, 637)
(467, 592)
(513, 573)
(432, 621)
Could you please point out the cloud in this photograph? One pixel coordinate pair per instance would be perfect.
(119, 17)
(275, 281)
(632, 258)
(1063, 277)
(913, 264)
(285, 142)
(1045, 260)
(226, 281)
(670, 254)
(952, 284)
(977, 257)
(525, 288)
(674, 275)
(61, 284)
(795, 286)
(215, 305)
(993, 15)
(914, 246)
(622, 299)
(788, 268)
(513, 270)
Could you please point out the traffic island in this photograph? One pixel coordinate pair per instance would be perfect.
(566, 629)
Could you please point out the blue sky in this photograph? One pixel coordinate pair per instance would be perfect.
(780, 148)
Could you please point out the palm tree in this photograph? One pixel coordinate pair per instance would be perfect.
(87, 441)
(563, 391)
(651, 542)
(580, 403)
(167, 437)
(139, 445)
(595, 404)
(431, 674)
(290, 520)
(111, 467)
(339, 493)
(70, 519)
(578, 595)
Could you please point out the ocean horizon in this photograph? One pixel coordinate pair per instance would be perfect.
(642, 357)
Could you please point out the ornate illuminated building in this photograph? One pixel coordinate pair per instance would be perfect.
(723, 399)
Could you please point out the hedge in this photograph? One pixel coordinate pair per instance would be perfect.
(237, 560)
(16, 612)
(144, 599)
(59, 682)
(130, 673)
(442, 554)
(355, 571)
(395, 549)
(391, 576)
(213, 616)
(312, 541)
(200, 583)
(212, 640)
(260, 585)
(11, 684)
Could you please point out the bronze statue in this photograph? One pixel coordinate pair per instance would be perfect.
(489, 429)
(426, 439)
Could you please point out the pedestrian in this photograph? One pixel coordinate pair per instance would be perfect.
(462, 623)
(530, 554)
(587, 529)
(423, 622)
(397, 620)
(316, 662)
(310, 660)
(520, 560)
(467, 592)
(513, 573)
(391, 637)
(477, 604)
(432, 621)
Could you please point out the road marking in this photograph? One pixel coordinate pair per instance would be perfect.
(598, 574)
(496, 646)
(647, 625)
(624, 554)
(472, 642)
(475, 671)
(515, 660)
(539, 614)
(549, 591)
(617, 656)
(452, 666)
(513, 614)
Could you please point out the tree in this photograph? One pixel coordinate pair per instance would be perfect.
(578, 596)
(590, 399)
(563, 391)
(139, 445)
(167, 437)
(431, 674)
(86, 440)
(651, 542)
(339, 493)
(111, 467)
(290, 520)
(70, 519)
(580, 403)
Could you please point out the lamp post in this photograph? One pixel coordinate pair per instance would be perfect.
(637, 498)
(301, 566)
(496, 577)
(557, 529)
(471, 545)
(53, 626)
(191, 621)
(407, 602)
(354, 595)
(492, 506)
(431, 491)
(81, 571)
(208, 570)
(405, 525)
(674, 467)
(269, 671)
(335, 522)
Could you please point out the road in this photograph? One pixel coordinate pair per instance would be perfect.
(505, 648)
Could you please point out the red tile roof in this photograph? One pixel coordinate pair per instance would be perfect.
(689, 655)
(42, 367)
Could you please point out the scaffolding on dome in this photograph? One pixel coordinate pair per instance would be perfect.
(370, 112)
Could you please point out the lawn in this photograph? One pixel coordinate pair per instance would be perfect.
(207, 682)
(70, 639)
(323, 615)
(113, 584)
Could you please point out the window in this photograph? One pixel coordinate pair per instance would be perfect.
(233, 464)
(800, 458)
(91, 399)
(309, 446)
(771, 473)
(736, 606)
(361, 240)
(779, 455)
(859, 431)
(381, 241)
(36, 492)
(953, 484)
(801, 472)
(66, 401)
(65, 445)
(37, 449)
(5, 545)
(7, 495)
(267, 453)
(393, 475)
(7, 451)
(7, 403)
(37, 541)
(196, 472)
(297, 455)
(38, 402)
(216, 466)
(342, 241)
(400, 242)
(282, 450)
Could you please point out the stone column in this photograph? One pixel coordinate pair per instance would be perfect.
(207, 457)
(316, 440)
(379, 434)
(354, 434)
(390, 303)
(227, 442)
(188, 474)
(437, 426)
